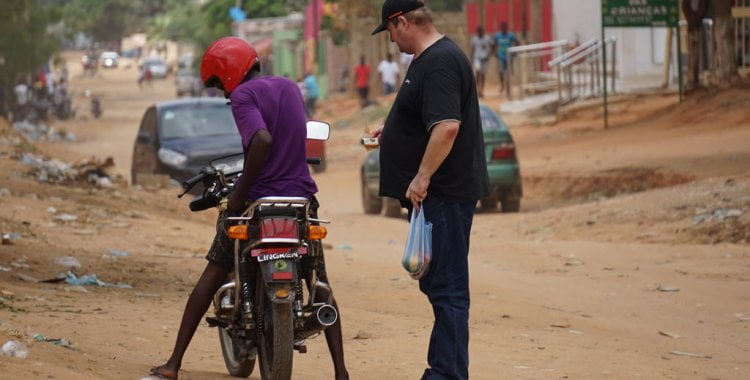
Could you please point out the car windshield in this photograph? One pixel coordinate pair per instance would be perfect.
(196, 120)
(490, 121)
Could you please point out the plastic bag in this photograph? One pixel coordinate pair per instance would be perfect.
(418, 250)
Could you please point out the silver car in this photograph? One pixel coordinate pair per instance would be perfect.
(157, 67)
(186, 82)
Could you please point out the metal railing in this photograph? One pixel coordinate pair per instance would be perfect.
(579, 71)
(705, 45)
(528, 68)
(742, 35)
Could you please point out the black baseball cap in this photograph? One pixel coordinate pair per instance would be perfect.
(395, 8)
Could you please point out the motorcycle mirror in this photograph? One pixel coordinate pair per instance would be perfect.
(318, 130)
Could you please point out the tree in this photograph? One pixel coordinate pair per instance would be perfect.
(185, 21)
(695, 11)
(102, 20)
(25, 43)
(725, 62)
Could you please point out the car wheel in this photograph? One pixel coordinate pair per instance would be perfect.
(392, 207)
(509, 203)
(371, 203)
(489, 203)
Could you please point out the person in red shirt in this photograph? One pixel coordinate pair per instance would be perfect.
(362, 81)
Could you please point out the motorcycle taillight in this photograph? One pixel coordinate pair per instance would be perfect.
(286, 228)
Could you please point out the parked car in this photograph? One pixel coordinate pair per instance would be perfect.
(178, 137)
(157, 67)
(186, 82)
(502, 166)
(109, 59)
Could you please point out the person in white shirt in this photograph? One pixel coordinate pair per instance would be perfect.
(389, 73)
(481, 45)
(22, 99)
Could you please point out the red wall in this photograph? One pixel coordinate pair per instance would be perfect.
(499, 11)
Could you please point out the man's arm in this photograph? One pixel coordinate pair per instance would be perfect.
(439, 146)
(255, 159)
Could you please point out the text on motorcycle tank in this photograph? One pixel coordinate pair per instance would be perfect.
(279, 228)
(277, 251)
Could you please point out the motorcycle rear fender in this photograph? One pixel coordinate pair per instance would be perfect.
(268, 268)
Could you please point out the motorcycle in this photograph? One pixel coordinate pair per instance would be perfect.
(273, 300)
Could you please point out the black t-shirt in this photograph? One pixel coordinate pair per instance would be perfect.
(439, 86)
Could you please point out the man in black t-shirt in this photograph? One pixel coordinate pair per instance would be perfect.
(432, 156)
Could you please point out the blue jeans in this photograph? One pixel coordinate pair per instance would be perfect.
(446, 285)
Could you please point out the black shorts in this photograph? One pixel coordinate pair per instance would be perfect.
(222, 248)
(363, 91)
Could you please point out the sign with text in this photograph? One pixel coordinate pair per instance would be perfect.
(640, 13)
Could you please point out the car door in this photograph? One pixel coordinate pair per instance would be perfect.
(146, 146)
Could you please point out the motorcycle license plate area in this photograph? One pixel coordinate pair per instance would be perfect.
(277, 264)
(266, 254)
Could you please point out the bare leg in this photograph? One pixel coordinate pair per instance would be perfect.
(480, 83)
(212, 278)
(335, 342)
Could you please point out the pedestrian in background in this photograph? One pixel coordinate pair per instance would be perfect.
(481, 47)
(432, 156)
(362, 81)
(503, 41)
(312, 93)
(389, 74)
(22, 100)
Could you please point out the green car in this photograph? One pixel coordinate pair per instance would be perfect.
(502, 167)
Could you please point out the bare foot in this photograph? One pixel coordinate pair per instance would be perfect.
(164, 372)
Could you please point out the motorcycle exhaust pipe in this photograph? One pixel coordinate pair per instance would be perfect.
(321, 318)
(326, 315)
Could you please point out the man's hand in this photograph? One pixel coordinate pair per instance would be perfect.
(417, 190)
(378, 134)
(236, 201)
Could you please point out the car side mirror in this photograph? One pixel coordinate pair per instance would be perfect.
(318, 130)
(144, 137)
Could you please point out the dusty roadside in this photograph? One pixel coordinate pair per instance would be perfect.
(630, 258)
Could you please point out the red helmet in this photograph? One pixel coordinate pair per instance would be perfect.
(228, 59)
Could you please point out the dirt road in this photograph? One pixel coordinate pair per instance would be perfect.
(630, 258)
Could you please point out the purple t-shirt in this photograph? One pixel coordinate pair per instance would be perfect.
(275, 104)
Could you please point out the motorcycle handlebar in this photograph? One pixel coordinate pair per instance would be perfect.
(193, 181)
(203, 203)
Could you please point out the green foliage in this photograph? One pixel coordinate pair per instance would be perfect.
(25, 43)
(102, 20)
(187, 22)
(446, 5)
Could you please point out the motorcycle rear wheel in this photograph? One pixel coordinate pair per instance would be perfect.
(276, 345)
(237, 365)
